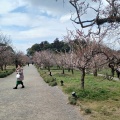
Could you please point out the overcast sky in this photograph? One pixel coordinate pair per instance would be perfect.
(31, 21)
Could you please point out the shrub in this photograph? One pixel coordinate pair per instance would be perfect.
(2, 75)
(54, 83)
(6, 73)
(72, 100)
(48, 79)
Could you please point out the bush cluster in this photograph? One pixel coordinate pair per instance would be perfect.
(48, 79)
(72, 100)
(6, 73)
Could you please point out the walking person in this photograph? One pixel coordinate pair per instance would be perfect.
(19, 76)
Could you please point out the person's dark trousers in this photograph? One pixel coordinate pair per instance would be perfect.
(22, 84)
(17, 83)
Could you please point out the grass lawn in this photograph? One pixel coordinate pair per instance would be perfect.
(106, 71)
(99, 101)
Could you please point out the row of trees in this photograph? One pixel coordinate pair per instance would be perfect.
(7, 55)
(45, 45)
(86, 53)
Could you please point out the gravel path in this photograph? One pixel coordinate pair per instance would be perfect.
(37, 101)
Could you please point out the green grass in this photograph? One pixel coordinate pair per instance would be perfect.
(47, 78)
(100, 96)
(96, 88)
(106, 71)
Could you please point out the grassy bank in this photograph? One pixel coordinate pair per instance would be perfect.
(99, 100)
(9, 70)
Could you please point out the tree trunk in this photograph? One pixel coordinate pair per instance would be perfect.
(16, 65)
(95, 72)
(111, 66)
(48, 68)
(82, 78)
(58, 67)
(112, 72)
(72, 71)
(5, 67)
(68, 69)
(1, 67)
(63, 72)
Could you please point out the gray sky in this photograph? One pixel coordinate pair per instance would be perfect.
(31, 21)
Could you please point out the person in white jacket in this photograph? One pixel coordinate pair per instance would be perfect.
(19, 76)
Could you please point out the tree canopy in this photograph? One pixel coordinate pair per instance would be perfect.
(56, 46)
